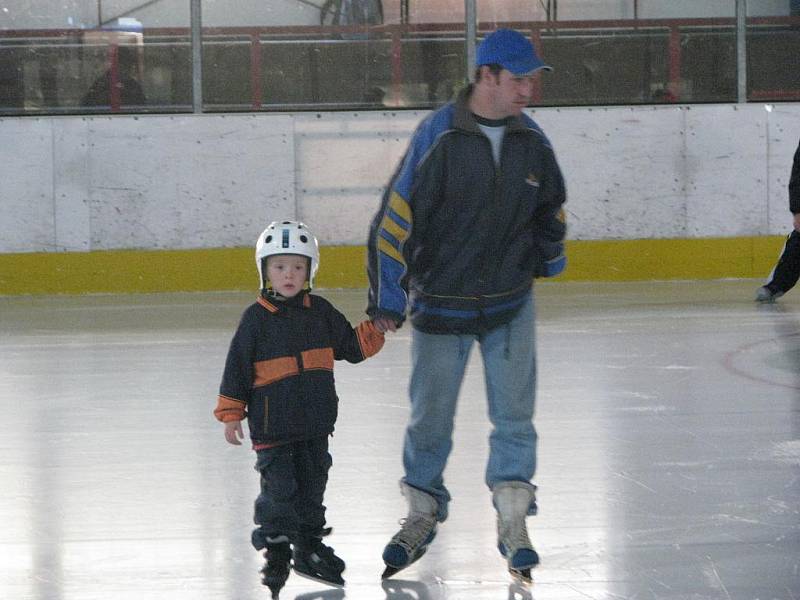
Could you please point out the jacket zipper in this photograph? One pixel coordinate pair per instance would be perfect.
(484, 273)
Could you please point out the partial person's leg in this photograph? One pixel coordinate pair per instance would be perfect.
(312, 558)
(438, 364)
(275, 513)
(786, 272)
(312, 463)
(509, 359)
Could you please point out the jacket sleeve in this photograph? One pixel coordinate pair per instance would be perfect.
(354, 344)
(237, 379)
(549, 222)
(391, 228)
(794, 184)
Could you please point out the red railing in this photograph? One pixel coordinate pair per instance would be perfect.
(396, 34)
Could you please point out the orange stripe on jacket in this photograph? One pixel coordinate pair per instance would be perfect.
(268, 305)
(318, 358)
(268, 371)
(229, 409)
(369, 338)
(275, 369)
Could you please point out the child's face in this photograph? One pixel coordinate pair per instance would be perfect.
(287, 273)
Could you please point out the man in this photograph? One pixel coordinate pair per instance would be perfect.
(472, 214)
(130, 93)
(786, 273)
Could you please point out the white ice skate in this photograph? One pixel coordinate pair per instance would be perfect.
(417, 530)
(512, 500)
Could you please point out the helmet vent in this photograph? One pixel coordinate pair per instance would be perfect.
(268, 239)
(303, 239)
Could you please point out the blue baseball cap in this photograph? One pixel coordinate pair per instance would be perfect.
(511, 50)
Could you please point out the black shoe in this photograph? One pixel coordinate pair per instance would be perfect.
(276, 570)
(317, 561)
(767, 295)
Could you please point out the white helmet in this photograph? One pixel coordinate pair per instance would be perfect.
(286, 237)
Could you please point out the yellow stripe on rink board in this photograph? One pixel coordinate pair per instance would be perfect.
(639, 260)
(138, 271)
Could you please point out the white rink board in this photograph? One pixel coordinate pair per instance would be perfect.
(26, 194)
(206, 181)
(344, 160)
(784, 129)
(156, 182)
(622, 169)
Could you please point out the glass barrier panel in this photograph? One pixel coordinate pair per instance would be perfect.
(773, 51)
(111, 56)
(93, 56)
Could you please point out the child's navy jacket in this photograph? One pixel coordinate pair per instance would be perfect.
(279, 370)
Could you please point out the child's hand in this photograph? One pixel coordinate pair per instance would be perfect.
(233, 432)
(385, 324)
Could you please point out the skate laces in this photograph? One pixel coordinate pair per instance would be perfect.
(515, 537)
(414, 530)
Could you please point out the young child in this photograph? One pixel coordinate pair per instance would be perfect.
(279, 374)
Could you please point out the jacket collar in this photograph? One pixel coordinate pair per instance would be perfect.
(464, 119)
(273, 305)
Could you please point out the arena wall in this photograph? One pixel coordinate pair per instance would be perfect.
(175, 202)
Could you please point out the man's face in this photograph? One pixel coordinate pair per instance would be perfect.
(512, 93)
(287, 273)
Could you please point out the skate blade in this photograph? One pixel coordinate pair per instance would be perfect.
(521, 575)
(335, 584)
(389, 571)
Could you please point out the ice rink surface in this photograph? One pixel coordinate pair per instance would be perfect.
(669, 453)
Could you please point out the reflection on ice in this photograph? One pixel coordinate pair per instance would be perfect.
(654, 481)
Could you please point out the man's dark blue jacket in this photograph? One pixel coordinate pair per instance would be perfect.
(459, 240)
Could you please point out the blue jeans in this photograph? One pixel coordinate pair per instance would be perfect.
(438, 365)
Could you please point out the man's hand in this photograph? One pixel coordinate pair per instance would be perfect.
(797, 222)
(383, 324)
(233, 432)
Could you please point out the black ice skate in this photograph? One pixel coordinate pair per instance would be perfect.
(416, 531)
(315, 560)
(276, 569)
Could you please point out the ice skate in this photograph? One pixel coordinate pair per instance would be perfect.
(315, 560)
(512, 499)
(276, 570)
(766, 295)
(417, 530)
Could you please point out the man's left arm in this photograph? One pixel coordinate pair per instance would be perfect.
(549, 224)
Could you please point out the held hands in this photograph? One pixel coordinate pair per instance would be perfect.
(384, 324)
(233, 432)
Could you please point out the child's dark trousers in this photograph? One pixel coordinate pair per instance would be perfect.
(293, 481)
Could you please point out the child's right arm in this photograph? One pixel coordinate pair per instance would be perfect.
(233, 432)
(236, 386)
